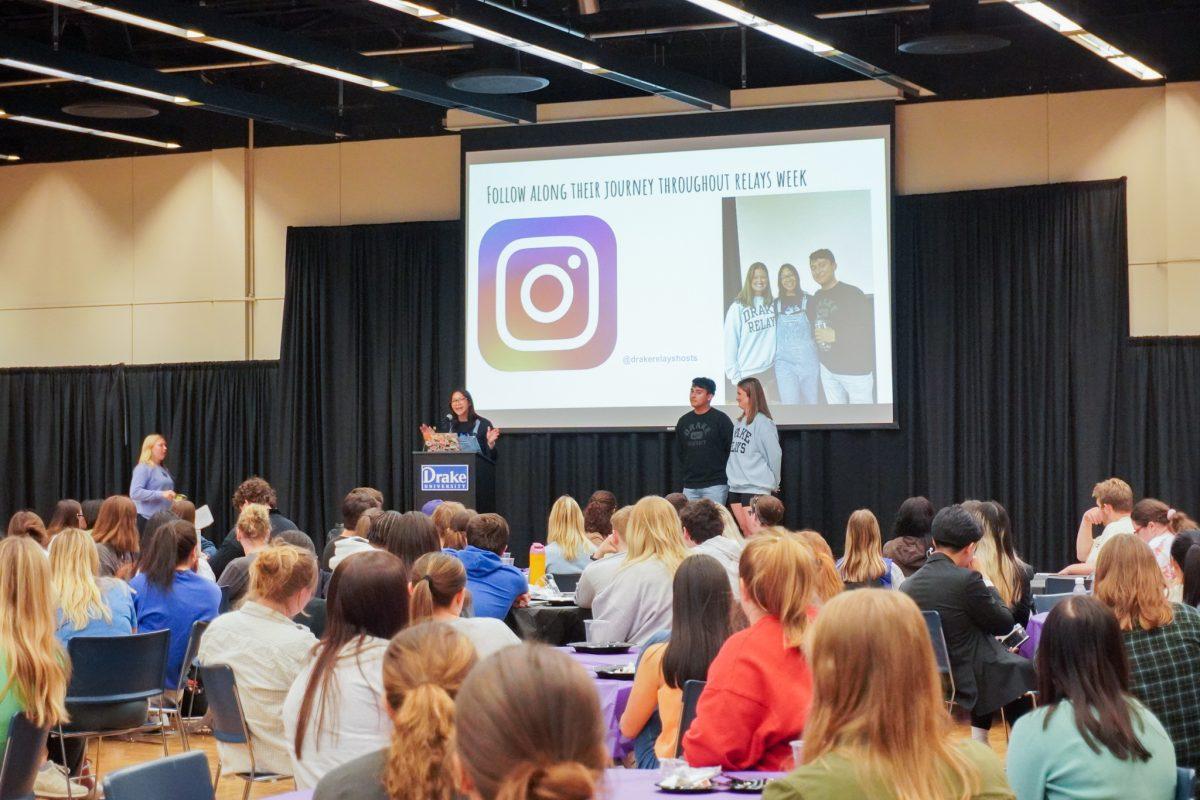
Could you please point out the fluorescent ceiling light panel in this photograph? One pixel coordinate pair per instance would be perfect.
(64, 126)
(1076, 33)
(9, 157)
(743, 17)
(126, 17)
(480, 32)
(116, 87)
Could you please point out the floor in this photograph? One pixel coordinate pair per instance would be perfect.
(118, 754)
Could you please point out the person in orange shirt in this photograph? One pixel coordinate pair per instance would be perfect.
(759, 686)
(702, 608)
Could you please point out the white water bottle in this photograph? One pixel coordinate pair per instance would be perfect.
(1079, 587)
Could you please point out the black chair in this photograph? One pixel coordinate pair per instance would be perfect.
(566, 582)
(941, 653)
(313, 616)
(178, 715)
(22, 757)
(1044, 602)
(1185, 782)
(1065, 584)
(181, 777)
(113, 679)
(229, 722)
(224, 608)
(691, 696)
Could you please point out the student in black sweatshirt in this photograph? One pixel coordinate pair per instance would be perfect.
(702, 439)
(844, 327)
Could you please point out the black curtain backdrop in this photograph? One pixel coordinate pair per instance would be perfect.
(77, 432)
(1016, 380)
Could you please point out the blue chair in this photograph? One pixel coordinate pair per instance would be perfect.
(1044, 602)
(22, 758)
(1065, 584)
(941, 653)
(229, 722)
(691, 697)
(181, 777)
(1185, 782)
(175, 711)
(113, 679)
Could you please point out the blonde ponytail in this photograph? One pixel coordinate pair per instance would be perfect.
(437, 579)
(779, 571)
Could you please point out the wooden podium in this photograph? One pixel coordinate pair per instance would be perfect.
(467, 478)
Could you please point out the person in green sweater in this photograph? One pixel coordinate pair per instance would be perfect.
(1090, 739)
(859, 740)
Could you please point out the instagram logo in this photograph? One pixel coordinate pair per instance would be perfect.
(547, 293)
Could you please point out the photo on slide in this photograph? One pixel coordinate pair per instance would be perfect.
(799, 296)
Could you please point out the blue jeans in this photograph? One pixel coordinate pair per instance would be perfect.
(797, 382)
(717, 493)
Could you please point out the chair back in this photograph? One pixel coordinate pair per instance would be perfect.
(566, 582)
(181, 777)
(117, 669)
(226, 592)
(23, 755)
(189, 656)
(1044, 602)
(1065, 584)
(691, 696)
(228, 722)
(941, 653)
(1185, 781)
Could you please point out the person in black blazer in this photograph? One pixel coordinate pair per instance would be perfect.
(987, 676)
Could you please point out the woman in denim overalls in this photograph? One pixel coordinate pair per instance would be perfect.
(797, 365)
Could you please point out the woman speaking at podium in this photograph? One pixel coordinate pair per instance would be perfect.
(475, 433)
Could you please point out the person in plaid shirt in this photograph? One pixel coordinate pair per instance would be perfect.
(1162, 640)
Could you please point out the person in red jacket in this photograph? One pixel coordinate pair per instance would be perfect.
(759, 686)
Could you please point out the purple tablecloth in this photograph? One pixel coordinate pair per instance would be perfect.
(638, 784)
(1034, 629)
(614, 694)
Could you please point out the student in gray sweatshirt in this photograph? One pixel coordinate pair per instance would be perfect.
(755, 456)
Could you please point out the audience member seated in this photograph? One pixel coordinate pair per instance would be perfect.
(334, 711)
(996, 558)
(1089, 737)
(456, 529)
(909, 544)
(91, 512)
(33, 666)
(169, 594)
(29, 525)
(522, 739)
(1162, 640)
(257, 491)
(442, 516)
(186, 511)
(87, 605)
(1114, 501)
(597, 515)
(828, 583)
(987, 677)
(1185, 552)
(439, 592)
(702, 612)
(568, 550)
(66, 514)
(356, 542)
(637, 603)
(116, 537)
(677, 500)
(161, 519)
(495, 586)
(703, 529)
(266, 651)
(759, 686)
(764, 511)
(605, 562)
(884, 735)
(423, 668)
(253, 532)
(409, 535)
(864, 564)
(355, 503)
(1156, 524)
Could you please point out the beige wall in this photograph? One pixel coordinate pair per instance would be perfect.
(144, 260)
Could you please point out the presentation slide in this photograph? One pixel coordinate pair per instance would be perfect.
(601, 279)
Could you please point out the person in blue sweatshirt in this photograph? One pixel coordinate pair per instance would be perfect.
(495, 587)
(755, 455)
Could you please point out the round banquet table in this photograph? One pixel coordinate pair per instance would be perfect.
(614, 695)
(554, 625)
(626, 784)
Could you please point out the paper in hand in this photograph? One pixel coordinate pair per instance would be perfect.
(204, 517)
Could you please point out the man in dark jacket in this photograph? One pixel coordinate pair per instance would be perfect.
(252, 490)
(986, 675)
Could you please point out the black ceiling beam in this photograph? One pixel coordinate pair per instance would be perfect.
(409, 83)
(643, 75)
(215, 98)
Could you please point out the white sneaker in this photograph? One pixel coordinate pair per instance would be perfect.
(51, 781)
